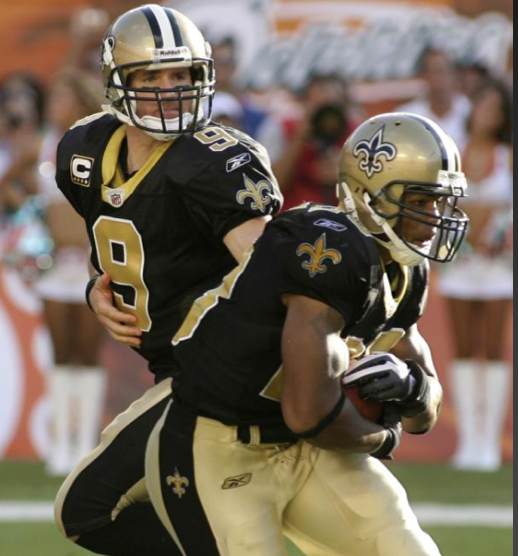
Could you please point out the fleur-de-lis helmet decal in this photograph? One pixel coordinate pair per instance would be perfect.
(392, 166)
(371, 152)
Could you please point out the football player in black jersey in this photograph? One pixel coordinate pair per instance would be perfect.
(261, 439)
(171, 201)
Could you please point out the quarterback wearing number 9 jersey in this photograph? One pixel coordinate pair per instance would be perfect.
(159, 232)
(170, 201)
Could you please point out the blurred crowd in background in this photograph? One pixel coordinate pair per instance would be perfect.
(303, 129)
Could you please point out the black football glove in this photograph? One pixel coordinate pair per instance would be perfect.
(392, 422)
(383, 377)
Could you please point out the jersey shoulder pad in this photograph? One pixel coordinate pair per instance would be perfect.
(216, 149)
(79, 153)
(312, 220)
(323, 255)
(229, 149)
(226, 178)
(88, 119)
(87, 137)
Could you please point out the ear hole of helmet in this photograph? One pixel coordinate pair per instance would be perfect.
(386, 201)
(197, 74)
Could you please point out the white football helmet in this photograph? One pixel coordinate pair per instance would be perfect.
(153, 37)
(395, 154)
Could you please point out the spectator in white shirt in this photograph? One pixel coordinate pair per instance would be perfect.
(442, 101)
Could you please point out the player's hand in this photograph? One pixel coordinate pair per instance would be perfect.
(119, 325)
(381, 377)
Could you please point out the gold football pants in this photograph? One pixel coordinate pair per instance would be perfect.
(218, 496)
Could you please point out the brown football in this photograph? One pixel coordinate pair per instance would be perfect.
(369, 409)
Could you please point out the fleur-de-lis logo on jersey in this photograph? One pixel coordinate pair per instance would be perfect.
(371, 151)
(318, 253)
(254, 191)
(179, 483)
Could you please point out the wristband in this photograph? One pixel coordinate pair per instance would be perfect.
(89, 285)
(389, 445)
(420, 397)
(326, 421)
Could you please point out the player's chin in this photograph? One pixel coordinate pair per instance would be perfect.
(167, 114)
(423, 244)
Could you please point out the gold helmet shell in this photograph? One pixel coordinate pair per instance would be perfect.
(153, 37)
(389, 156)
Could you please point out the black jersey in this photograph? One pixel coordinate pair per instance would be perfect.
(159, 232)
(229, 347)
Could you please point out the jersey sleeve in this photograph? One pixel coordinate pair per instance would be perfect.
(327, 268)
(234, 189)
(63, 177)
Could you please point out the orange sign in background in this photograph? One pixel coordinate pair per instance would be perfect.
(34, 33)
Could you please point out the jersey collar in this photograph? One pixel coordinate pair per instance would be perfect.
(115, 189)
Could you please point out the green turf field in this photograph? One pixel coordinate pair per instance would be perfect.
(424, 483)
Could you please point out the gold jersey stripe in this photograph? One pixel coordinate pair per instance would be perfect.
(203, 304)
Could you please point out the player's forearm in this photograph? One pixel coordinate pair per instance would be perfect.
(325, 420)
(350, 432)
(312, 404)
(425, 421)
(311, 400)
(240, 240)
(415, 348)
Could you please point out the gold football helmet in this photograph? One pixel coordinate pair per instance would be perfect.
(153, 37)
(388, 158)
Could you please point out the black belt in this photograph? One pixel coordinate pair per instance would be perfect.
(268, 434)
(247, 434)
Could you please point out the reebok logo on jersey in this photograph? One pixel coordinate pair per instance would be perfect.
(237, 161)
(331, 225)
(236, 481)
(81, 170)
(254, 191)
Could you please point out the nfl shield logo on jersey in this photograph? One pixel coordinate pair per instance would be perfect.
(116, 198)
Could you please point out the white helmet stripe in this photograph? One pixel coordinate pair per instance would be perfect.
(165, 26)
